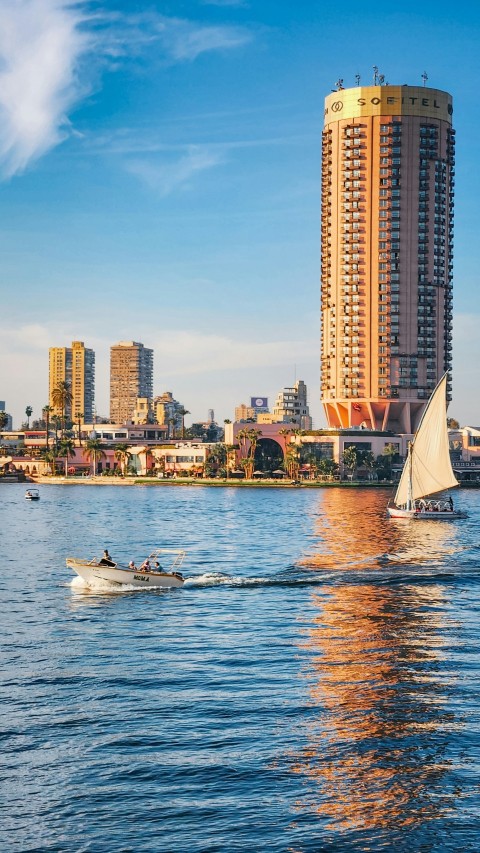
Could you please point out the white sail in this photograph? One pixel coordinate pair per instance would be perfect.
(428, 468)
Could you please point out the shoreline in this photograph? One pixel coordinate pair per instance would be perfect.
(218, 484)
(205, 483)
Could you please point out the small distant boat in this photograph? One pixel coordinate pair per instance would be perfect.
(428, 469)
(95, 570)
(32, 495)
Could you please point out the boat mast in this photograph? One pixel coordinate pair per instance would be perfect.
(410, 468)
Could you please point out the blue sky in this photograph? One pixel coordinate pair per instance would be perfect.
(160, 167)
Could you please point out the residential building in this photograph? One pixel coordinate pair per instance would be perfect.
(143, 411)
(388, 168)
(8, 424)
(169, 412)
(291, 406)
(244, 413)
(131, 377)
(76, 366)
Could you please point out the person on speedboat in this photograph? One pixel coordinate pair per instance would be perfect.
(145, 567)
(106, 559)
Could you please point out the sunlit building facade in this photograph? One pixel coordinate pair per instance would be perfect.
(131, 377)
(76, 366)
(387, 252)
(291, 406)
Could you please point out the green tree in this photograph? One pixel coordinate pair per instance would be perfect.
(3, 420)
(452, 423)
(367, 460)
(28, 412)
(350, 459)
(327, 467)
(66, 448)
(216, 460)
(94, 451)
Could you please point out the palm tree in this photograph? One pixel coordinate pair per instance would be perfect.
(28, 412)
(252, 436)
(93, 450)
(79, 416)
(291, 461)
(62, 398)
(46, 411)
(242, 438)
(122, 455)
(50, 456)
(66, 448)
(182, 412)
(171, 427)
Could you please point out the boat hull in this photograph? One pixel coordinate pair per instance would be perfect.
(94, 573)
(419, 515)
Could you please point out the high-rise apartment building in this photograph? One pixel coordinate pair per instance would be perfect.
(75, 365)
(388, 170)
(131, 376)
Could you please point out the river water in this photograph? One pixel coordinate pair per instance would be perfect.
(314, 686)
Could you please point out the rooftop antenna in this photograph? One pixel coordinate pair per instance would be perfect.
(339, 84)
(375, 75)
(357, 79)
(424, 78)
(381, 79)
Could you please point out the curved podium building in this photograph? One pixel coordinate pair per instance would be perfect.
(387, 247)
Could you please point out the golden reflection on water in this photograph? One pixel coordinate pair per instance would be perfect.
(375, 747)
(353, 531)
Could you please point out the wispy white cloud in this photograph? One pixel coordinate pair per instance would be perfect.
(224, 3)
(172, 174)
(178, 39)
(185, 40)
(41, 44)
(42, 74)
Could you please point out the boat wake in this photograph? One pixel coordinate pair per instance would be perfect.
(290, 577)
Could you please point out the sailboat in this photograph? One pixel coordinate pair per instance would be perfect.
(428, 469)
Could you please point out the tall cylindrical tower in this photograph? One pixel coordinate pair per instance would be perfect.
(388, 169)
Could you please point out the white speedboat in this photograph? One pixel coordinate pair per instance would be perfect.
(32, 495)
(428, 469)
(96, 571)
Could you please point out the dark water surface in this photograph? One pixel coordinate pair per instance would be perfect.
(314, 686)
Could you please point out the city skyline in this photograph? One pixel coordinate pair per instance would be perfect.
(167, 186)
